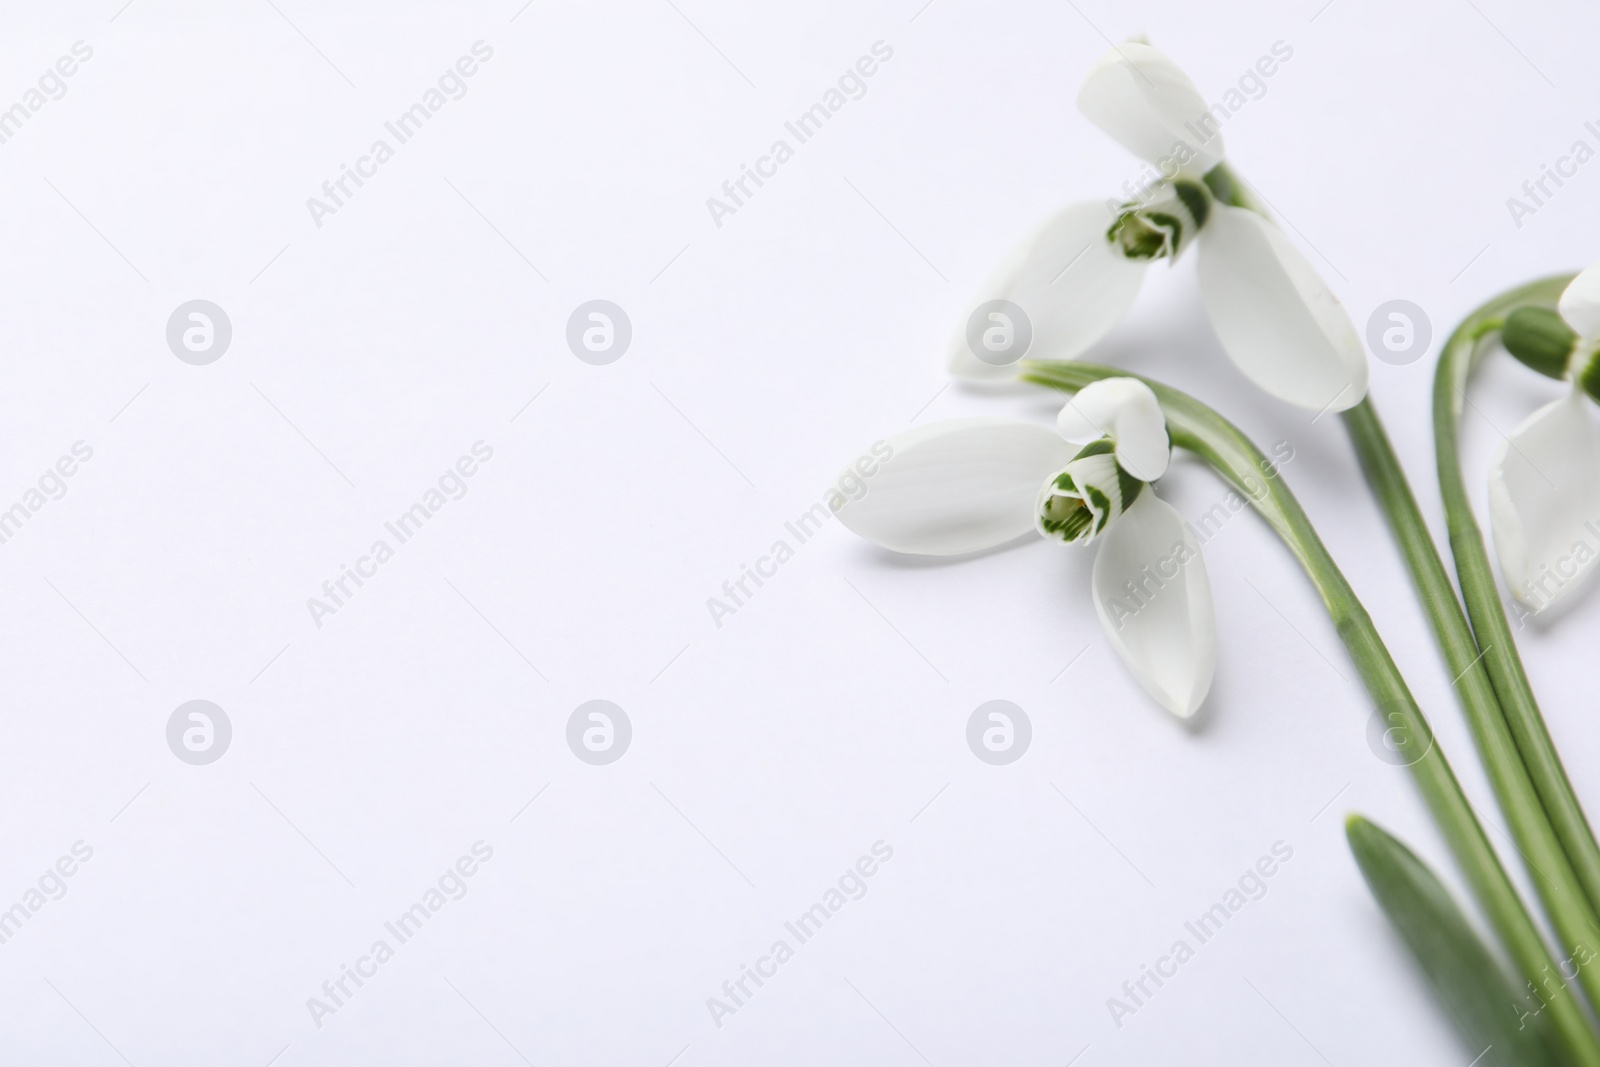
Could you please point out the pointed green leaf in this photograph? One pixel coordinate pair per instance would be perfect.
(1498, 1022)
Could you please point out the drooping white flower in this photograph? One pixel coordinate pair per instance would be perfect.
(1580, 304)
(1065, 286)
(1544, 483)
(964, 485)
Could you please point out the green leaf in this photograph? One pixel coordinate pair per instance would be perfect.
(1497, 1021)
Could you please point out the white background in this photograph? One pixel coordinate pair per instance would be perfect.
(827, 714)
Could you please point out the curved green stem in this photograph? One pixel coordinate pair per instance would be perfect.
(1492, 629)
(1563, 893)
(1196, 427)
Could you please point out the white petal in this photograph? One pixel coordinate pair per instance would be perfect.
(1125, 410)
(1071, 284)
(956, 486)
(1165, 629)
(1278, 321)
(1544, 502)
(1146, 101)
(1580, 303)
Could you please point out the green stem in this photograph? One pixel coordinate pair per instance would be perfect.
(1489, 623)
(1196, 427)
(1559, 887)
(1493, 688)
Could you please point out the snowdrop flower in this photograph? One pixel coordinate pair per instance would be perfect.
(965, 485)
(1544, 484)
(1077, 274)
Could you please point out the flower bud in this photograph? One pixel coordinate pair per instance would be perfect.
(1540, 339)
(1160, 226)
(1082, 500)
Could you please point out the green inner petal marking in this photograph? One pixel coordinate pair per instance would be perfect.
(1136, 238)
(1196, 199)
(1131, 487)
(1098, 447)
(1171, 223)
(1102, 504)
(1067, 517)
